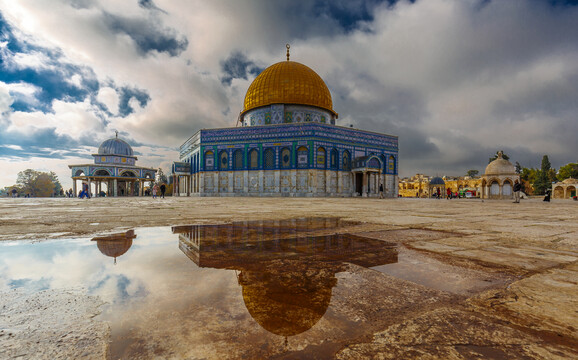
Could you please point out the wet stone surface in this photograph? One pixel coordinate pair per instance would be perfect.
(297, 288)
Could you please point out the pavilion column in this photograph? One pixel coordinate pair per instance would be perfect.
(89, 187)
(141, 187)
(115, 188)
(364, 184)
(189, 184)
(74, 188)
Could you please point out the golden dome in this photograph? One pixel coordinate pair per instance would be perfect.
(288, 82)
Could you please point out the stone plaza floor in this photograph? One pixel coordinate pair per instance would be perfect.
(475, 279)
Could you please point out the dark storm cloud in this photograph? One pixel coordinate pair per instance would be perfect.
(347, 13)
(147, 36)
(150, 5)
(237, 66)
(126, 95)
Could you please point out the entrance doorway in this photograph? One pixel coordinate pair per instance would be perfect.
(359, 183)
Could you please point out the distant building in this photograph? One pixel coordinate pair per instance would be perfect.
(421, 185)
(114, 171)
(565, 189)
(498, 179)
(287, 145)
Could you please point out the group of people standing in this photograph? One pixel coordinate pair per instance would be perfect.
(156, 189)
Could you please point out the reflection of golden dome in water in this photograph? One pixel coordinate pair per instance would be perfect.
(288, 303)
(115, 245)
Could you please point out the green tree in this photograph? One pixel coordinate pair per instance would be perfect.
(57, 185)
(473, 173)
(43, 185)
(37, 183)
(567, 171)
(161, 177)
(543, 180)
(504, 156)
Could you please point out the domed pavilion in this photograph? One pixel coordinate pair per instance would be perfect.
(498, 179)
(286, 143)
(114, 172)
(435, 184)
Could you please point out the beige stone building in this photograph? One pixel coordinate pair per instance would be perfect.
(419, 185)
(565, 189)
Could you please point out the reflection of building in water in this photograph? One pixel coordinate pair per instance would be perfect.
(115, 245)
(287, 274)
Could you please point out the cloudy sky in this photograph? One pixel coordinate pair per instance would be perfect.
(456, 80)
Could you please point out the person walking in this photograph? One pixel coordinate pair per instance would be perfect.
(163, 189)
(381, 191)
(154, 192)
(517, 189)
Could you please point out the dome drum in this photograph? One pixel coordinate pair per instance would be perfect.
(286, 114)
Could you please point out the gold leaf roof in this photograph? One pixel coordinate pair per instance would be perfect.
(288, 82)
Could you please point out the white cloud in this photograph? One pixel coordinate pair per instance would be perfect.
(109, 97)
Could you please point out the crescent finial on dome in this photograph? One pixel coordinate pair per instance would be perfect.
(287, 46)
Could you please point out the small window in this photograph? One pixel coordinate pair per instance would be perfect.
(269, 159)
(254, 159)
(285, 158)
(223, 160)
(302, 157)
(321, 158)
(346, 161)
(238, 160)
(209, 160)
(333, 159)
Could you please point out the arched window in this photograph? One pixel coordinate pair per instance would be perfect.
(391, 165)
(285, 158)
(238, 159)
(494, 188)
(374, 163)
(346, 163)
(254, 159)
(223, 160)
(302, 157)
(102, 173)
(209, 160)
(320, 158)
(507, 188)
(333, 159)
(269, 159)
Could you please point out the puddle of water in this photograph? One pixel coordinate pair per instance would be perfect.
(420, 269)
(241, 290)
